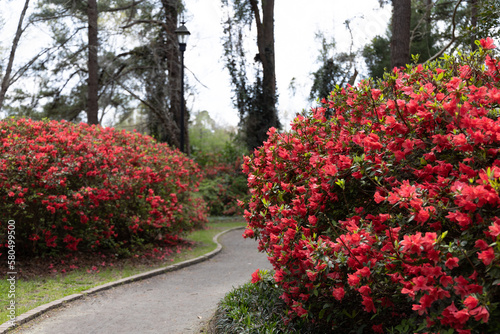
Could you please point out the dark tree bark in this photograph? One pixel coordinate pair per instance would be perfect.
(259, 121)
(473, 23)
(6, 80)
(265, 43)
(171, 8)
(400, 42)
(93, 67)
(428, 24)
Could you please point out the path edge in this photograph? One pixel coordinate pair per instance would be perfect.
(38, 311)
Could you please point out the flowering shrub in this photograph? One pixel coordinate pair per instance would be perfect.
(223, 183)
(77, 187)
(386, 215)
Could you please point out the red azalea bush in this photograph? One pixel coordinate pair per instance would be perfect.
(385, 216)
(75, 187)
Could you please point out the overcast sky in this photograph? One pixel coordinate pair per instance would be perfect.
(296, 23)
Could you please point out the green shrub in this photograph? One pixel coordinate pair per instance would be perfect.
(252, 308)
(223, 182)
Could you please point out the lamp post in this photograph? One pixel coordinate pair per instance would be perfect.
(182, 36)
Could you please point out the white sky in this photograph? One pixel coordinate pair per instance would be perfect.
(296, 22)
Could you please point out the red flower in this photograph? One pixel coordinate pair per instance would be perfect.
(446, 280)
(487, 43)
(412, 243)
(462, 316)
(278, 276)
(419, 308)
(451, 263)
(256, 277)
(420, 284)
(378, 198)
(338, 293)
(376, 93)
(463, 331)
(495, 229)
(312, 275)
(299, 309)
(330, 170)
(378, 328)
(481, 244)
(480, 314)
(471, 302)
(422, 216)
(368, 304)
(353, 280)
(363, 272)
(364, 290)
(249, 233)
(487, 256)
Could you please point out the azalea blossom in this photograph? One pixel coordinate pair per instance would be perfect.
(487, 43)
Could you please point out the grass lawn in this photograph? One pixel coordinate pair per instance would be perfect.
(33, 292)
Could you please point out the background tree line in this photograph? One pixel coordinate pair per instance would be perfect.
(420, 30)
(117, 57)
(121, 58)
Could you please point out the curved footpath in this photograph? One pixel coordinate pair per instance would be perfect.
(178, 301)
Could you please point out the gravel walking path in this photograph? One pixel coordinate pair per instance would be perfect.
(175, 302)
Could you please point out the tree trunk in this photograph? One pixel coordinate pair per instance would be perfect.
(400, 42)
(473, 24)
(428, 26)
(8, 71)
(171, 8)
(266, 48)
(93, 67)
(268, 116)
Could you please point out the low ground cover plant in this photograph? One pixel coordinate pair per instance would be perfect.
(380, 210)
(256, 307)
(74, 187)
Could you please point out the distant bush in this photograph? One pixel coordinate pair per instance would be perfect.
(385, 217)
(75, 187)
(223, 184)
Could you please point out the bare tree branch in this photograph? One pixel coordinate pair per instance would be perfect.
(421, 21)
(453, 37)
(352, 79)
(146, 21)
(6, 82)
(256, 12)
(194, 75)
(161, 116)
(20, 72)
(131, 5)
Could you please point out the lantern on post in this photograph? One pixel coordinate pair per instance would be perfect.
(182, 36)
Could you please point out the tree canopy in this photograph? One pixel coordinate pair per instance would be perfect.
(118, 60)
